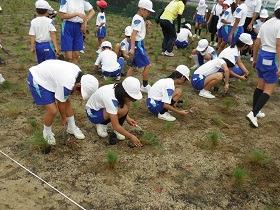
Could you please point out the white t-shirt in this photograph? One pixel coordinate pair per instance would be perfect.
(231, 54)
(56, 76)
(210, 67)
(257, 25)
(138, 24)
(72, 6)
(104, 98)
(227, 16)
(40, 28)
(125, 45)
(162, 90)
(100, 19)
(241, 13)
(269, 32)
(217, 9)
(108, 61)
(209, 50)
(184, 35)
(253, 6)
(201, 9)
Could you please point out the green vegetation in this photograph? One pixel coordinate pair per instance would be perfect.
(258, 157)
(240, 175)
(112, 159)
(150, 138)
(214, 137)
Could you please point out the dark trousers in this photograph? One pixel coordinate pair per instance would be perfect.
(169, 34)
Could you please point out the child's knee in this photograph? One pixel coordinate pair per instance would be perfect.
(207, 57)
(52, 111)
(194, 52)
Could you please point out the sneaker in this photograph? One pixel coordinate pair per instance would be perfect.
(206, 94)
(194, 36)
(82, 51)
(76, 132)
(162, 53)
(101, 130)
(49, 137)
(251, 59)
(145, 89)
(118, 78)
(253, 120)
(166, 116)
(194, 67)
(198, 36)
(2, 80)
(260, 114)
(171, 54)
(119, 136)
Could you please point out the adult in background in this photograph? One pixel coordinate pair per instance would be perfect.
(72, 12)
(212, 22)
(264, 61)
(172, 11)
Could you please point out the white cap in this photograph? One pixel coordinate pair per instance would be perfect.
(246, 38)
(131, 86)
(42, 4)
(184, 70)
(201, 2)
(264, 13)
(89, 84)
(202, 45)
(106, 44)
(128, 31)
(277, 6)
(227, 2)
(146, 4)
(188, 25)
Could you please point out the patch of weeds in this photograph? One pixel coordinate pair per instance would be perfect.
(33, 122)
(38, 142)
(109, 80)
(136, 105)
(5, 85)
(164, 66)
(229, 102)
(149, 138)
(258, 157)
(156, 57)
(112, 159)
(240, 175)
(184, 53)
(168, 125)
(217, 120)
(214, 137)
(13, 109)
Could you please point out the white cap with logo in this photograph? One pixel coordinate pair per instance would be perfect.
(246, 38)
(184, 70)
(106, 44)
(146, 4)
(89, 84)
(128, 31)
(202, 45)
(131, 86)
(42, 4)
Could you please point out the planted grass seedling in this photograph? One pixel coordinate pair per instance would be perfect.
(214, 138)
(229, 102)
(112, 159)
(168, 125)
(149, 138)
(240, 175)
(37, 141)
(5, 85)
(258, 157)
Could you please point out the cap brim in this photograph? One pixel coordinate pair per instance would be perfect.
(264, 16)
(136, 96)
(200, 49)
(84, 95)
(151, 10)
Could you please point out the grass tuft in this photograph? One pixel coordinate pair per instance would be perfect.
(112, 159)
(6, 85)
(149, 138)
(240, 175)
(258, 157)
(214, 137)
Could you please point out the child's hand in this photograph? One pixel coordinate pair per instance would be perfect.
(243, 77)
(184, 112)
(131, 121)
(136, 141)
(226, 87)
(84, 27)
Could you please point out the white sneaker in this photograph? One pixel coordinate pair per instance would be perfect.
(2, 80)
(162, 53)
(260, 114)
(194, 36)
(211, 43)
(252, 119)
(194, 67)
(118, 78)
(145, 89)
(198, 36)
(206, 94)
(101, 130)
(49, 137)
(171, 54)
(166, 116)
(82, 51)
(76, 132)
(251, 59)
(119, 136)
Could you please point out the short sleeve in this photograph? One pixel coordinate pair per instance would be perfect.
(31, 30)
(111, 105)
(258, 6)
(98, 60)
(123, 46)
(167, 95)
(238, 13)
(62, 93)
(87, 6)
(278, 34)
(181, 8)
(260, 34)
(98, 20)
(63, 6)
(52, 27)
(136, 24)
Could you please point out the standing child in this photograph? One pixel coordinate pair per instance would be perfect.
(42, 33)
(199, 17)
(138, 51)
(182, 40)
(163, 95)
(111, 65)
(101, 22)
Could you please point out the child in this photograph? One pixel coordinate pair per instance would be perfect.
(200, 17)
(110, 103)
(111, 66)
(101, 21)
(137, 50)
(122, 49)
(232, 53)
(51, 83)
(182, 40)
(209, 74)
(163, 95)
(42, 31)
(203, 52)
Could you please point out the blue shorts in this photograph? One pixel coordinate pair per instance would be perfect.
(181, 45)
(199, 19)
(40, 95)
(266, 67)
(225, 30)
(200, 57)
(219, 33)
(237, 71)
(44, 51)
(141, 58)
(253, 35)
(198, 81)
(96, 117)
(154, 106)
(237, 34)
(101, 32)
(118, 71)
(71, 37)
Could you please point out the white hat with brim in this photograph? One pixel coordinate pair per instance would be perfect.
(246, 38)
(42, 4)
(146, 4)
(277, 6)
(131, 86)
(106, 44)
(89, 84)
(184, 70)
(227, 3)
(128, 31)
(264, 13)
(202, 45)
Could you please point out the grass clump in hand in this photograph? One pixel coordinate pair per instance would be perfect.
(149, 138)
(258, 157)
(240, 175)
(112, 159)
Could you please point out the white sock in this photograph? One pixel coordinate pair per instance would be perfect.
(48, 129)
(71, 122)
(195, 59)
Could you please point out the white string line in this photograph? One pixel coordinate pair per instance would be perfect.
(81, 207)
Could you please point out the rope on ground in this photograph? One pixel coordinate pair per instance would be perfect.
(81, 207)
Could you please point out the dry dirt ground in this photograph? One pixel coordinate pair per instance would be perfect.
(183, 168)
